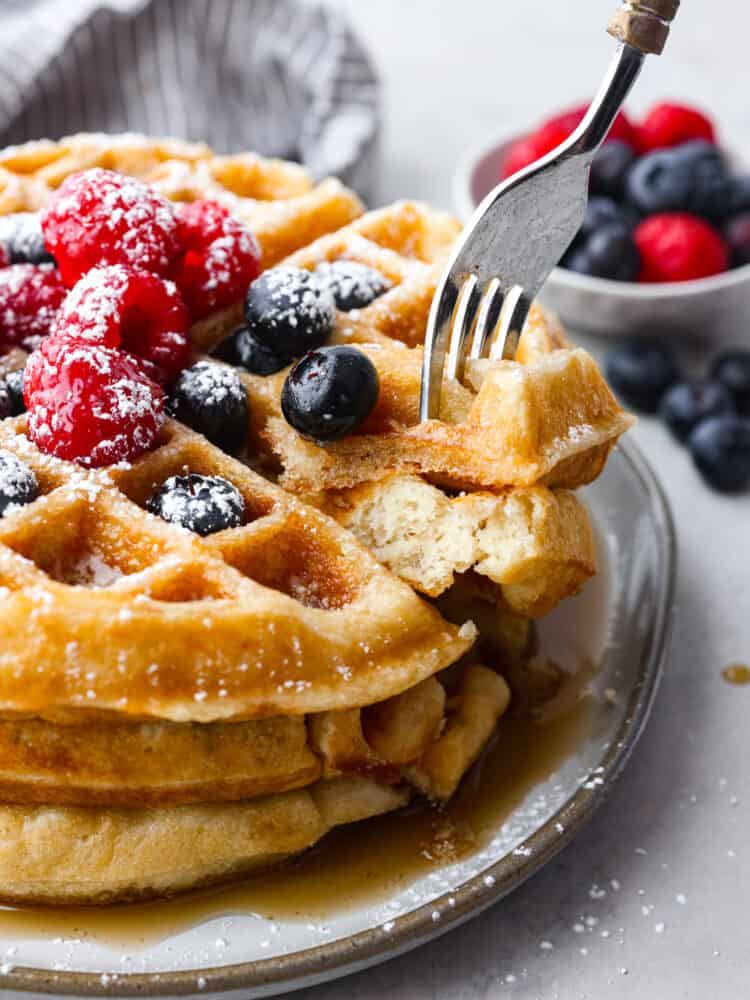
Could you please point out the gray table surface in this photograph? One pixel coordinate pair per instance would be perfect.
(669, 850)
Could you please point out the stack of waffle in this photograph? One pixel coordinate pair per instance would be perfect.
(177, 710)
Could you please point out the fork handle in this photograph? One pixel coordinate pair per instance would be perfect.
(644, 24)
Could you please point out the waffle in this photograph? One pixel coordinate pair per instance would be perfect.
(177, 710)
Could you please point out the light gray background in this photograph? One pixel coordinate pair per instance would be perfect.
(670, 849)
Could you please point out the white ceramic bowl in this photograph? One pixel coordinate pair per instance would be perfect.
(709, 308)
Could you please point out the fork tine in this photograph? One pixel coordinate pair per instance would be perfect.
(489, 313)
(435, 347)
(463, 319)
(512, 317)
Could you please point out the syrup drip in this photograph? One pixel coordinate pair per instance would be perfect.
(736, 673)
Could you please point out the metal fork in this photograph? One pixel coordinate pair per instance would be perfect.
(523, 227)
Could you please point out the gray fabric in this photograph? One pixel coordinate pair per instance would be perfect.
(283, 77)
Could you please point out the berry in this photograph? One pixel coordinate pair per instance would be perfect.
(288, 311)
(610, 168)
(22, 239)
(4, 257)
(330, 392)
(14, 391)
(30, 297)
(242, 349)
(535, 145)
(672, 124)
(353, 285)
(739, 195)
(576, 259)
(220, 260)
(732, 368)
(212, 400)
(737, 234)
(710, 183)
(685, 404)
(97, 217)
(18, 485)
(640, 372)
(675, 246)
(118, 306)
(522, 153)
(720, 447)
(659, 182)
(602, 212)
(90, 404)
(6, 407)
(202, 504)
(613, 254)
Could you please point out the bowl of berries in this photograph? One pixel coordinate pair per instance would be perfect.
(665, 243)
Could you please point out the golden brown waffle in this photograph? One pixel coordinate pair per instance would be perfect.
(107, 609)
(278, 200)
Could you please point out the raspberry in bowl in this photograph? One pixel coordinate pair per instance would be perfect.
(665, 245)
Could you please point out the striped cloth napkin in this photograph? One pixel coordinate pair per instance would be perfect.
(283, 77)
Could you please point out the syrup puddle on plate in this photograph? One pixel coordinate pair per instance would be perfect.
(368, 862)
(356, 865)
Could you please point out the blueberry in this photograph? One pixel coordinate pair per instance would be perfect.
(737, 235)
(610, 168)
(613, 254)
(289, 311)
(6, 407)
(710, 183)
(18, 485)
(203, 504)
(641, 371)
(576, 259)
(602, 212)
(213, 401)
(720, 448)
(21, 235)
(14, 389)
(685, 404)
(739, 195)
(659, 182)
(241, 348)
(330, 392)
(353, 285)
(733, 369)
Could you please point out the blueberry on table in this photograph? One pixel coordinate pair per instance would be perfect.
(289, 311)
(244, 350)
(18, 485)
(737, 235)
(21, 235)
(14, 389)
(720, 447)
(659, 182)
(609, 170)
(330, 392)
(352, 284)
(640, 372)
(733, 369)
(685, 404)
(213, 401)
(612, 253)
(202, 504)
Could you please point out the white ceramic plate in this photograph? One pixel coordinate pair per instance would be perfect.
(621, 618)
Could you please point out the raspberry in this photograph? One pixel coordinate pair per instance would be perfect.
(4, 256)
(677, 246)
(90, 404)
(119, 306)
(671, 125)
(30, 297)
(554, 131)
(99, 217)
(221, 257)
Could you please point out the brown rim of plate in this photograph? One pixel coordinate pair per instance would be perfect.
(358, 951)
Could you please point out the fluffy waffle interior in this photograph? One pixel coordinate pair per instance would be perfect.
(177, 710)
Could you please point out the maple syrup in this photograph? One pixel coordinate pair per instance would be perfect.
(355, 865)
(736, 673)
